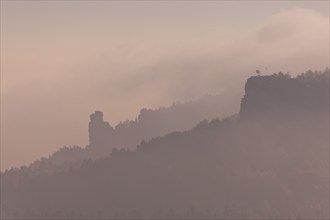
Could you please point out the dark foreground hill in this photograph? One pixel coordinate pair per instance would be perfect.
(270, 161)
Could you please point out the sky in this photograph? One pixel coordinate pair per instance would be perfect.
(61, 61)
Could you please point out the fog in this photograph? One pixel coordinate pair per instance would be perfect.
(77, 66)
(164, 110)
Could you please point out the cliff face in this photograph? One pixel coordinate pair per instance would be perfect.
(280, 96)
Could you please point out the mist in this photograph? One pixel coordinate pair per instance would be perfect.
(122, 76)
(165, 110)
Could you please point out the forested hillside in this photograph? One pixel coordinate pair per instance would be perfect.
(149, 124)
(269, 161)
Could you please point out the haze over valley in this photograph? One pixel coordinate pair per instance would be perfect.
(165, 110)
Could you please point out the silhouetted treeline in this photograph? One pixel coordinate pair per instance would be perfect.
(271, 161)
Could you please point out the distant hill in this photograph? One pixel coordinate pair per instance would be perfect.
(270, 161)
(149, 124)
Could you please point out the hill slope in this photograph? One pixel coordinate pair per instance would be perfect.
(149, 124)
(272, 160)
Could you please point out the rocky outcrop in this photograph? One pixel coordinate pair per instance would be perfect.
(281, 96)
(100, 131)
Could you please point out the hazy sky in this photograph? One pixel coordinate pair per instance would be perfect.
(60, 61)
